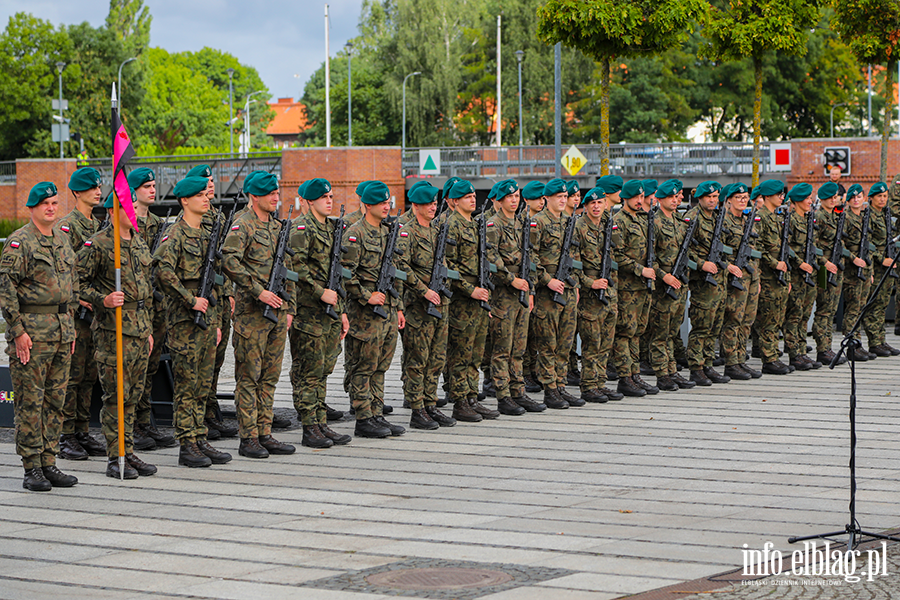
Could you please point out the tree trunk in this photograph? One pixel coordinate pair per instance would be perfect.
(604, 116)
(888, 109)
(757, 118)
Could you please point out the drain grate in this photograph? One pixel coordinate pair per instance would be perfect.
(439, 578)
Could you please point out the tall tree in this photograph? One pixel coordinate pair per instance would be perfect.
(872, 30)
(130, 20)
(616, 28)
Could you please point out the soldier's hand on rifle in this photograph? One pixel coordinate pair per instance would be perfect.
(377, 299)
(648, 273)
(734, 270)
(401, 320)
(329, 297)
(23, 348)
(271, 298)
(860, 262)
(806, 267)
(433, 297)
(345, 326)
(481, 294)
(781, 266)
(672, 281)
(201, 304)
(831, 267)
(887, 262)
(557, 286)
(710, 267)
(87, 305)
(520, 284)
(601, 284)
(114, 299)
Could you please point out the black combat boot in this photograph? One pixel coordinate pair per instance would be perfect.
(190, 456)
(463, 412)
(484, 411)
(699, 377)
(57, 478)
(280, 422)
(650, 389)
(684, 384)
(594, 396)
(611, 394)
(274, 446)
(776, 367)
(420, 419)
(313, 438)
(396, 430)
(439, 417)
(531, 383)
(143, 469)
(71, 449)
(369, 428)
(216, 456)
(162, 440)
(339, 439)
(36, 482)
(753, 372)
(112, 469)
(507, 407)
(528, 404)
(569, 398)
(92, 446)
(224, 430)
(487, 388)
(715, 376)
(141, 439)
(628, 387)
(737, 373)
(553, 400)
(332, 414)
(666, 384)
(250, 448)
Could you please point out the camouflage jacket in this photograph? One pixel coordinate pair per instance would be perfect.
(853, 235)
(878, 235)
(311, 241)
(179, 265)
(590, 239)
(669, 234)
(365, 249)
(826, 229)
(353, 217)
(547, 235)
(631, 249)
(505, 235)
(734, 230)
(148, 227)
(225, 290)
(703, 236)
(416, 246)
(769, 241)
(463, 254)
(38, 286)
(97, 273)
(77, 228)
(798, 242)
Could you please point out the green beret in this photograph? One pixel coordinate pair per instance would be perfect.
(610, 184)
(40, 192)
(827, 190)
(260, 183)
(315, 188)
(506, 187)
(855, 190)
(109, 199)
(424, 194)
(190, 186)
(461, 188)
(733, 188)
(572, 187)
(200, 171)
(769, 187)
(300, 189)
(533, 190)
(375, 193)
(632, 188)
(707, 187)
(669, 187)
(800, 192)
(596, 193)
(650, 186)
(493, 193)
(555, 186)
(85, 178)
(878, 188)
(140, 176)
(362, 187)
(449, 184)
(418, 184)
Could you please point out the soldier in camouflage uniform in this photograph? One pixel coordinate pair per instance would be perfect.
(894, 205)
(372, 339)
(76, 442)
(827, 297)
(180, 261)
(533, 195)
(596, 319)
(38, 288)
(488, 390)
(573, 203)
(349, 220)
(425, 333)
(649, 186)
(248, 256)
(315, 335)
(858, 272)
(873, 321)
(554, 321)
(802, 296)
(97, 275)
(634, 292)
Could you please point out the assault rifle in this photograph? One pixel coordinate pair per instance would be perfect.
(335, 270)
(838, 251)
(809, 250)
(566, 262)
(716, 247)
(890, 248)
(745, 252)
(864, 250)
(279, 275)
(651, 242)
(607, 264)
(388, 273)
(785, 248)
(157, 239)
(439, 271)
(683, 261)
(525, 266)
(209, 278)
(484, 265)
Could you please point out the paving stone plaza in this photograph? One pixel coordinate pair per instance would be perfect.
(653, 497)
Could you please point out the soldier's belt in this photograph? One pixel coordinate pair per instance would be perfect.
(44, 309)
(469, 279)
(139, 305)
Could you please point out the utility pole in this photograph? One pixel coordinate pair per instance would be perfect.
(499, 119)
(327, 84)
(557, 113)
(60, 66)
(231, 108)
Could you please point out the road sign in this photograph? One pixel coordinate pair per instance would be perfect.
(780, 157)
(55, 131)
(573, 160)
(56, 104)
(430, 161)
(837, 157)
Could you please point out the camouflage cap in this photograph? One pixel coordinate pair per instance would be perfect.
(85, 178)
(40, 192)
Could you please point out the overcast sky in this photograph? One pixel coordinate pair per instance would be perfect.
(280, 38)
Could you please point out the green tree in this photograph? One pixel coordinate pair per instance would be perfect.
(872, 30)
(606, 28)
(130, 21)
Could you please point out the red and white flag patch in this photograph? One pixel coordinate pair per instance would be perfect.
(404, 234)
(14, 244)
(235, 227)
(64, 228)
(164, 239)
(88, 243)
(301, 227)
(352, 238)
(534, 223)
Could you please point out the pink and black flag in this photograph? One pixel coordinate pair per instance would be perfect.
(123, 152)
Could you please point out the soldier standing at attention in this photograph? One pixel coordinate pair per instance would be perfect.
(635, 285)
(533, 196)
(612, 186)
(315, 336)
(372, 339)
(76, 442)
(38, 288)
(425, 335)
(357, 214)
(856, 289)
(179, 266)
(451, 202)
(249, 252)
(873, 322)
(97, 275)
(827, 297)
(573, 203)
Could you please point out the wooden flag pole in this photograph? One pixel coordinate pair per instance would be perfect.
(117, 253)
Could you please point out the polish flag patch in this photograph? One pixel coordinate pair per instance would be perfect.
(534, 223)
(301, 227)
(404, 234)
(615, 226)
(64, 228)
(351, 238)
(164, 239)
(88, 243)
(235, 227)
(14, 244)
(490, 224)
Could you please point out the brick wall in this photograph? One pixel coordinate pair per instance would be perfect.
(7, 200)
(32, 171)
(808, 163)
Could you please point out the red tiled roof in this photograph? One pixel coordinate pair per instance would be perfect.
(290, 117)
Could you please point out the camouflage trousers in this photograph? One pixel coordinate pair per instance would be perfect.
(706, 311)
(770, 317)
(135, 353)
(76, 412)
(827, 299)
(488, 349)
(554, 329)
(666, 314)
(856, 292)
(597, 328)
(212, 403)
(193, 353)
(873, 322)
(509, 332)
(529, 359)
(258, 354)
(314, 352)
(736, 321)
(750, 312)
(425, 351)
(465, 345)
(142, 412)
(369, 359)
(633, 315)
(796, 315)
(573, 353)
(39, 392)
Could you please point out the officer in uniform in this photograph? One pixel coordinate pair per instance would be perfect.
(858, 276)
(533, 196)
(248, 253)
(97, 274)
(76, 442)
(38, 288)
(873, 321)
(180, 261)
(827, 215)
(372, 339)
(315, 336)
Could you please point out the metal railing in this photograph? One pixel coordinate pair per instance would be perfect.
(627, 160)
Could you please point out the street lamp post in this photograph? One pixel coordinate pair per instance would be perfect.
(519, 56)
(832, 115)
(231, 108)
(60, 66)
(403, 145)
(349, 48)
(120, 81)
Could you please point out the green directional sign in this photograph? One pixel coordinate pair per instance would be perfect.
(429, 161)
(429, 164)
